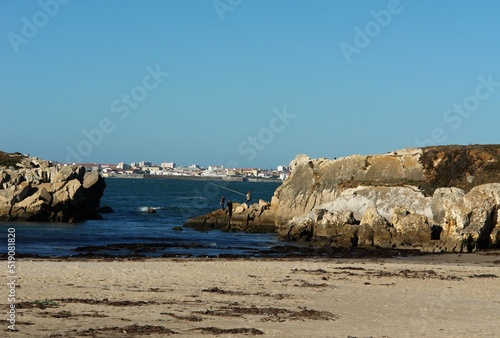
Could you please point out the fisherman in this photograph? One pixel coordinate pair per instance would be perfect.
(249, 197)
(230, 208)
(222, 200)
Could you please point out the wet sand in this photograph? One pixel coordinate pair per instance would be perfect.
(423, 296)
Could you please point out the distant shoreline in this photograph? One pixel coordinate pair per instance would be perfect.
(198, 178)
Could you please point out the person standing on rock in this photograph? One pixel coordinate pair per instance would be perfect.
(230, 208)
(222, 200)
(249, 197)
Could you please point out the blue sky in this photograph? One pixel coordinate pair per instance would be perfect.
(250, 83)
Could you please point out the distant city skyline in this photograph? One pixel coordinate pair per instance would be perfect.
(245, 83)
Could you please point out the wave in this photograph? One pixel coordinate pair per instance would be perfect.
(145, 209)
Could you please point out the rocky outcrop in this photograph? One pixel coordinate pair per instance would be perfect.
(256, 217)
(434, 199)
(39, 191)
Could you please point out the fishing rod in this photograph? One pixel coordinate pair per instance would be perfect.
(227, 188)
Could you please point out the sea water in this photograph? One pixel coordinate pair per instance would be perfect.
(131, 230)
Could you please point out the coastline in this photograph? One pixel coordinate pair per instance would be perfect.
(447, 295)
(197, 178)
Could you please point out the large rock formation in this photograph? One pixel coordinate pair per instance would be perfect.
(439, 199)
(40, 191)
(435, 199)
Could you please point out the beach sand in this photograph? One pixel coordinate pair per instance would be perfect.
(424, 296)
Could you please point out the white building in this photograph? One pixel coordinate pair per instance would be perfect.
(122, 166)
(155, 170)
(215, 167)
(168, 165)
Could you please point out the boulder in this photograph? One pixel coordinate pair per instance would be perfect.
(93, 189)
(75, 191)
(411, 229)
(297, 229)
(375, 230)
(21, 191)
(483, 202)
(38, 191)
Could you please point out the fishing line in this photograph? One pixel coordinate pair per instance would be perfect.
(227, 188)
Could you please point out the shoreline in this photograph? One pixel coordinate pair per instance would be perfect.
(489, 257)
(198, 178)
(445, 295)
(151, 251)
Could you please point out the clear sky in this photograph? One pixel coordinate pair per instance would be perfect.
(248, 83)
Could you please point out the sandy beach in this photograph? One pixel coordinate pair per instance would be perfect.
(425, 296)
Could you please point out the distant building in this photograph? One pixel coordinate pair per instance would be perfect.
(194, 166)
(215, 167)
(143, 164)
(122, 166)
(282, 168)
(155, 170)
(168, 165)
(249, 172)
(230, 172)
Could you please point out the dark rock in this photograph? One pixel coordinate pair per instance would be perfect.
(105, 210)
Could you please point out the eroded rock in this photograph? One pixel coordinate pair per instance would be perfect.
(39, 191)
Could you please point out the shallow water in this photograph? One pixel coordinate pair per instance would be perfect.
(174, 202)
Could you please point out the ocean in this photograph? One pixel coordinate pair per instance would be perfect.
(130, 230)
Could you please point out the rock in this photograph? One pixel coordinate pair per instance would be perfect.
(75, 191)
(483, 201)
(39, 191)
(316, 182)
(328, 223)
(448, 209)
(297, 229)
(411, 229)
(60, 199)
(375, 230)
(239, 209)
(251, 219)
(93, 187)
(65, 174)
(105, 210)
(21, 191)
(7, 196)
(44, 195)
(495, 237)
(336, 226)
(450, 217)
